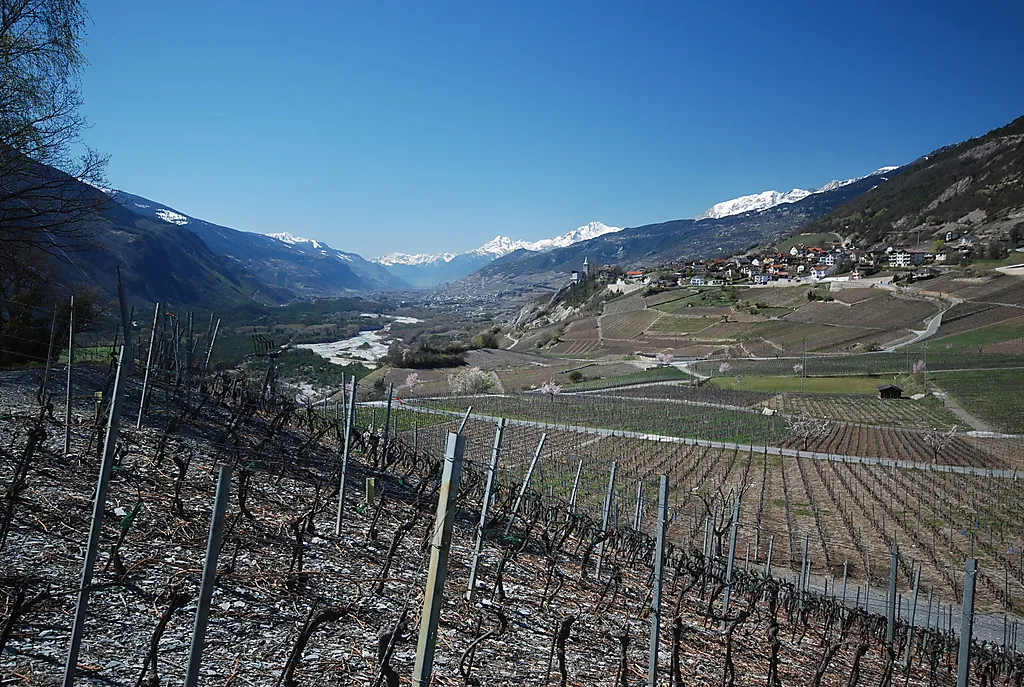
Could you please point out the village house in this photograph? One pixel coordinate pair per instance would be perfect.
(907, 257)
(821, 271)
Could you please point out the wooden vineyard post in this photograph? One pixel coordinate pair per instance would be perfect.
(605, 518)
(768, 563)
(387, 424)
(438, 559)
(890, 614)
(465, 419)
(149, 366)
(49, 359)
(659, 570)
(344, 399)
(967, 624)
(492, 473)
(575, 489)
(846, 571)
(803, 573)
(67, 396)
(209, 353)
(732, 555)
(350, 418)
(96, 527)
(912, 618)
(188, 361)
(638, 514)
(526, 485)
(220, 507)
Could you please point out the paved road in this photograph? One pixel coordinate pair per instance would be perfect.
(928, 332)
(998, 473)
(974, 423)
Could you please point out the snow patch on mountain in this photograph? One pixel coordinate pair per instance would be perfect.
(292, 239)
(503, 245)
(768, 199)
(172, 217)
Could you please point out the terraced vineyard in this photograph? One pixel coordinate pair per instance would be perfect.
(627, 325)
(866, 410)
(624, 304)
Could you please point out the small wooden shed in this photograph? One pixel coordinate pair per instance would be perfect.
(890, 391)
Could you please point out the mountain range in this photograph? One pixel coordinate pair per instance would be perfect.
(168, 255)
(651, 245)
(303, 266)
(769, 199)
(430, 270)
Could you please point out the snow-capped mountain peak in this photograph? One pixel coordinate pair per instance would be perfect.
(417, 259)
(503, 245)
(751, 203)
(769, 199)
(500, 245)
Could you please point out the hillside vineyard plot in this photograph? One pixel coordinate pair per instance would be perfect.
(849, 514)
(627, 326)
(624, 304)
(865, 410)
(724, 423)
(297, 602)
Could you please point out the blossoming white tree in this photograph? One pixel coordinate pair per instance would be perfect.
(411, 384)
(471, 381)
(551, 388)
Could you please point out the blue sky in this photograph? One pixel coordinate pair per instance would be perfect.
(429, 126)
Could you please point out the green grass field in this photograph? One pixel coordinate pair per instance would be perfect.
(655, 374)
(991, 395)
(825, 385)
(976, 338)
